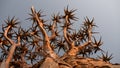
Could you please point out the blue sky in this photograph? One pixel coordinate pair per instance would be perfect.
(105, 12)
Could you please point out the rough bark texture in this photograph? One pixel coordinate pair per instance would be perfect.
(76, 62)
(49, 63)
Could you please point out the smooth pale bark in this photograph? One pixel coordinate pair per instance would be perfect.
(49, 63)
(3, 64)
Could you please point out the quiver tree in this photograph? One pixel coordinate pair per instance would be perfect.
(20, 47)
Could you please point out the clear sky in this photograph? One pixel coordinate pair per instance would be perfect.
(105, 12)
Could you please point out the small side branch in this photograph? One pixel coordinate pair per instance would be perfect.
(81, 47)
(53, 30)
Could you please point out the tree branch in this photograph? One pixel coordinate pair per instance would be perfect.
(65, 33)
(46, 41)
(10, 55)
(89, 33)
(81, 47)
(53, 30)
(12, 48)
(5, 35)
(40, 23)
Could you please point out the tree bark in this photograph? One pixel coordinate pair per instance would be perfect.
(49, 63)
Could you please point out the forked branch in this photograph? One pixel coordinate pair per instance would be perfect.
(12, 48)
(46, 41)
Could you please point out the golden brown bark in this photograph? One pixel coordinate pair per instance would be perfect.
(46, 41)
(12, 48)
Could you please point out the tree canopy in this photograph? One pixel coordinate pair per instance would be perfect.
(46, 38)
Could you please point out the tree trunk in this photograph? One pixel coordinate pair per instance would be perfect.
(49, 63)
